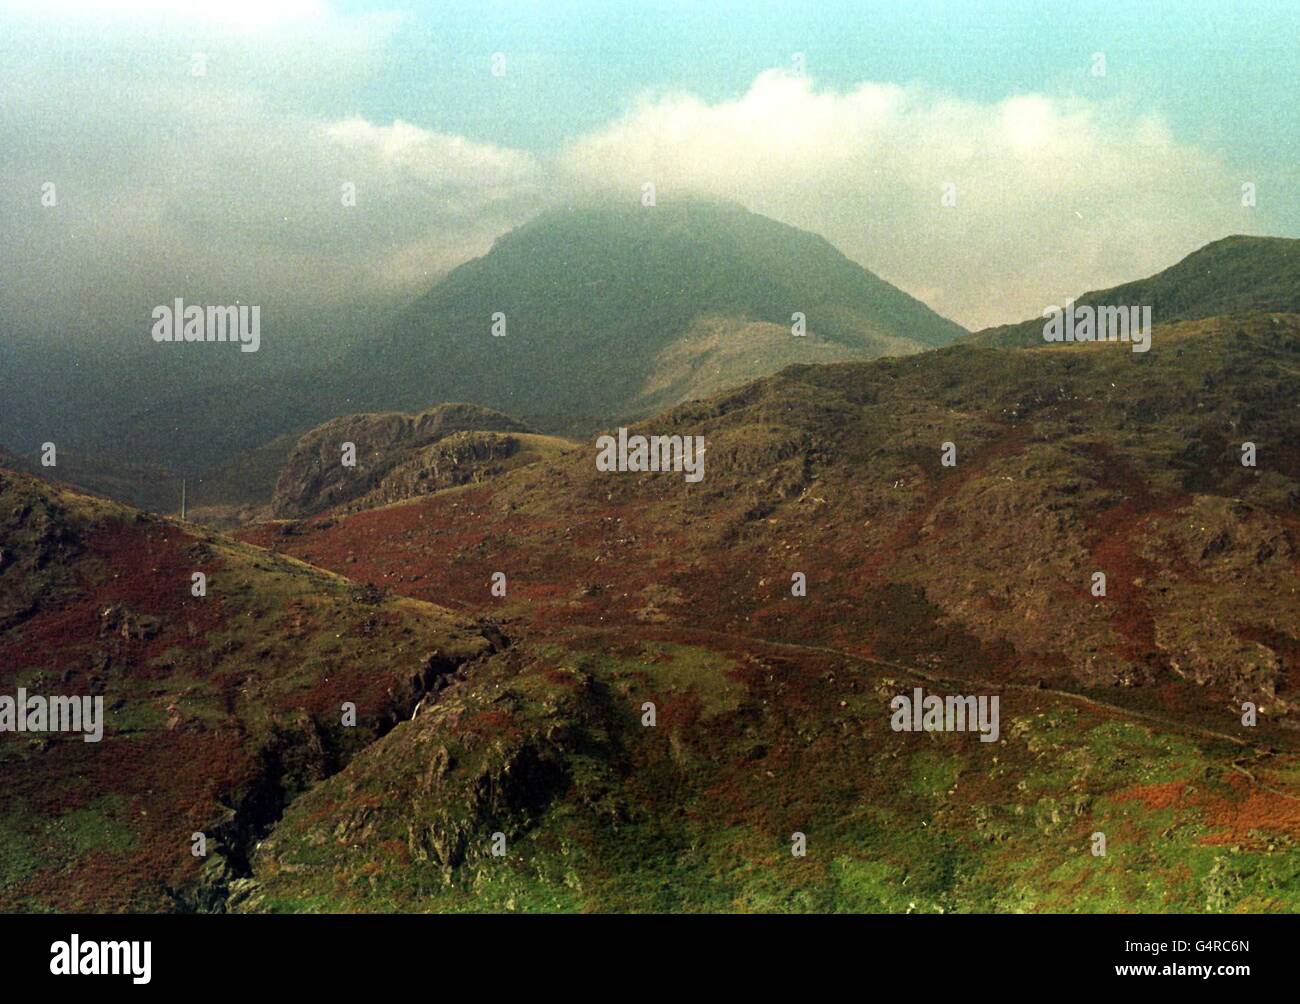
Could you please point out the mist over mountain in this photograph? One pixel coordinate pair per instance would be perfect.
(605, 309)
(608, 312)
(1237, 274)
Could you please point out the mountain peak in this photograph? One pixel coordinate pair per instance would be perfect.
(602, 310)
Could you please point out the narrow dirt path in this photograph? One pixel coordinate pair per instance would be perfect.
(1260, 752)
(1171, 724)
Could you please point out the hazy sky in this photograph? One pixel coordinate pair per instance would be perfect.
(226, 183)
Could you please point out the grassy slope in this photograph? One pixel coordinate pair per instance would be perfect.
(1070, 460)
(716, 354)
(751, 745)
(217, 708)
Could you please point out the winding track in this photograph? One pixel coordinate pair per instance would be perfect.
(1261, 752)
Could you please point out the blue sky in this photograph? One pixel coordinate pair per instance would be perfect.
(1217, 70)
(226, 182)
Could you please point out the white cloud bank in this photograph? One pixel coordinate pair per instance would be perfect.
(219, 183)
(1053, 195)
(223, 182)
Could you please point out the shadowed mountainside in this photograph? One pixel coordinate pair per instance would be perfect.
(144, 485)
(608, 309)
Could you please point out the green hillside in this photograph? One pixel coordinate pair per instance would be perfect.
(1120, 714)
(1230, 276)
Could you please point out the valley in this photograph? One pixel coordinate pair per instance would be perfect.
(518, 714)
(447, 662)
(686, 470)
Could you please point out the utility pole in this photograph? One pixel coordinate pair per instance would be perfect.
(182, 498)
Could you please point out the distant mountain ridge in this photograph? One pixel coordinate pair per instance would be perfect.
(597, 304)
(608, 312)
(1235, 275)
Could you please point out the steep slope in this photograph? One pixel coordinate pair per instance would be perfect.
(217, 709)
(1069, 461)
(593, 297)
(314, 477)
(1121, 713)
(608, 312)
(1230, 276)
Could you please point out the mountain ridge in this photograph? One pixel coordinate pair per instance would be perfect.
(1232, 275)
(608, 312)
(591, 295)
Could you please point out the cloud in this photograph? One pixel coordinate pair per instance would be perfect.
(211, 200)
(442, 196)
(214, 186)
(1054, 195)
(229, 184)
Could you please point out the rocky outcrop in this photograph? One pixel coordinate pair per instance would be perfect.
(462, 458)
(478, 766)
(36, 542)
(315, 478)
(299, 753)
